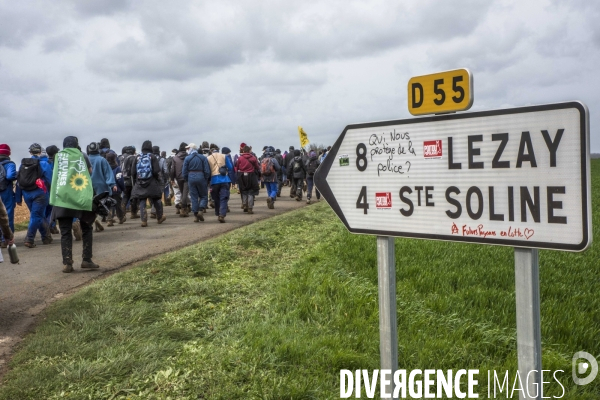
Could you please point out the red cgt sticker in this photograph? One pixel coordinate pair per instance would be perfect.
(432, 149)
(383, 200)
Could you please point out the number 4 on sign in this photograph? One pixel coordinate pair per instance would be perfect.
(362, 200)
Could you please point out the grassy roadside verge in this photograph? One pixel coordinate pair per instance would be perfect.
(276, 309)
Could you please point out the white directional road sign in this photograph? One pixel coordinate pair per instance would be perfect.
(514, 177)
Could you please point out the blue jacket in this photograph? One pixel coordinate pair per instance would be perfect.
(103, 178)
(46, 176)
(46, 170)
(11, 171)
(195, 162)
(119, 180)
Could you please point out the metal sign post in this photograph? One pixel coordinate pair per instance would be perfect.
(388, 327)
(529, 336)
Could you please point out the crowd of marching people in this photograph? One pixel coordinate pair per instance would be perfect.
(74, 191)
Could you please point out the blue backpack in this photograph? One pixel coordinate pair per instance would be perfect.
(144, 167)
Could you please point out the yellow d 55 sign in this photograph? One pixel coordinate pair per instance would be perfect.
(442, 92)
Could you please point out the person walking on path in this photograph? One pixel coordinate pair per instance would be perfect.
(247, 170)
(289, 159)
(163, 176)
(269, 167)
(311, 166)
(8, 175)
(178, 180)
(231, 172)
(219, 181)
(171, 194)
(281, 171)
(103, 179)
(51, 152)
(7, 233)
(145, 174)
(298, 173)
(33, 181)
(111, 158)
(196, 173)
(128, 162)
(72, 197)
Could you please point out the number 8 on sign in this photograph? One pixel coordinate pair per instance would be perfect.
(361, 155)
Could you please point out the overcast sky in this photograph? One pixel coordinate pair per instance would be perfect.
(252, 71)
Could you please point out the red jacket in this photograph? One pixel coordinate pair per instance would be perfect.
(247, 163)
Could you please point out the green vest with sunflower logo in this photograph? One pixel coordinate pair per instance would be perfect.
(71, 181)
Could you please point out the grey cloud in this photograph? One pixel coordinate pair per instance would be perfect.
(180, 44)
(136, 61)
(91, 8)
(58, 43)
(20, 84)
(20, 21)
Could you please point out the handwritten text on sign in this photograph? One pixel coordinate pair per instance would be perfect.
(514, 178)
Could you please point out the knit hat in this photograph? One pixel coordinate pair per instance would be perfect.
(4, 150)
(156, 150)
(205, 145)
(147, 147)
(111, 158)
(242, 146)
(52, 150)
(70, 142)
(296, 153)
(225, 150)
(182, 146)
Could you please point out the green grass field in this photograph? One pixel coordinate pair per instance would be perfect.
(275, 310)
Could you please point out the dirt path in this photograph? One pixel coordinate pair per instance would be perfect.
(27, 288)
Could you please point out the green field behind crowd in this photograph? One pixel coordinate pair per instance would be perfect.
(276, 309)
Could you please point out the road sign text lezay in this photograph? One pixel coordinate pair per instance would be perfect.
(515, 177)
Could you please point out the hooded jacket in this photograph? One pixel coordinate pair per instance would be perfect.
(246, 162)
(103, 178)
(195, 163)
(150, 188)
(301, 174)
(314, 160)
(276, 166)
(177, 166)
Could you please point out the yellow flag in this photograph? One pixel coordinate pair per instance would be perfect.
(303, 137)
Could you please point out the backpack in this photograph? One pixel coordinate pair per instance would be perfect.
(29, 173)
(266, 167)
(125, 166)
(162, 175)
(297, 165)
(144, 167)
(311, 167)
(3, 181)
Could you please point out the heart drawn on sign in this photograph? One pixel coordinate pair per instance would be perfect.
(528, 233)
